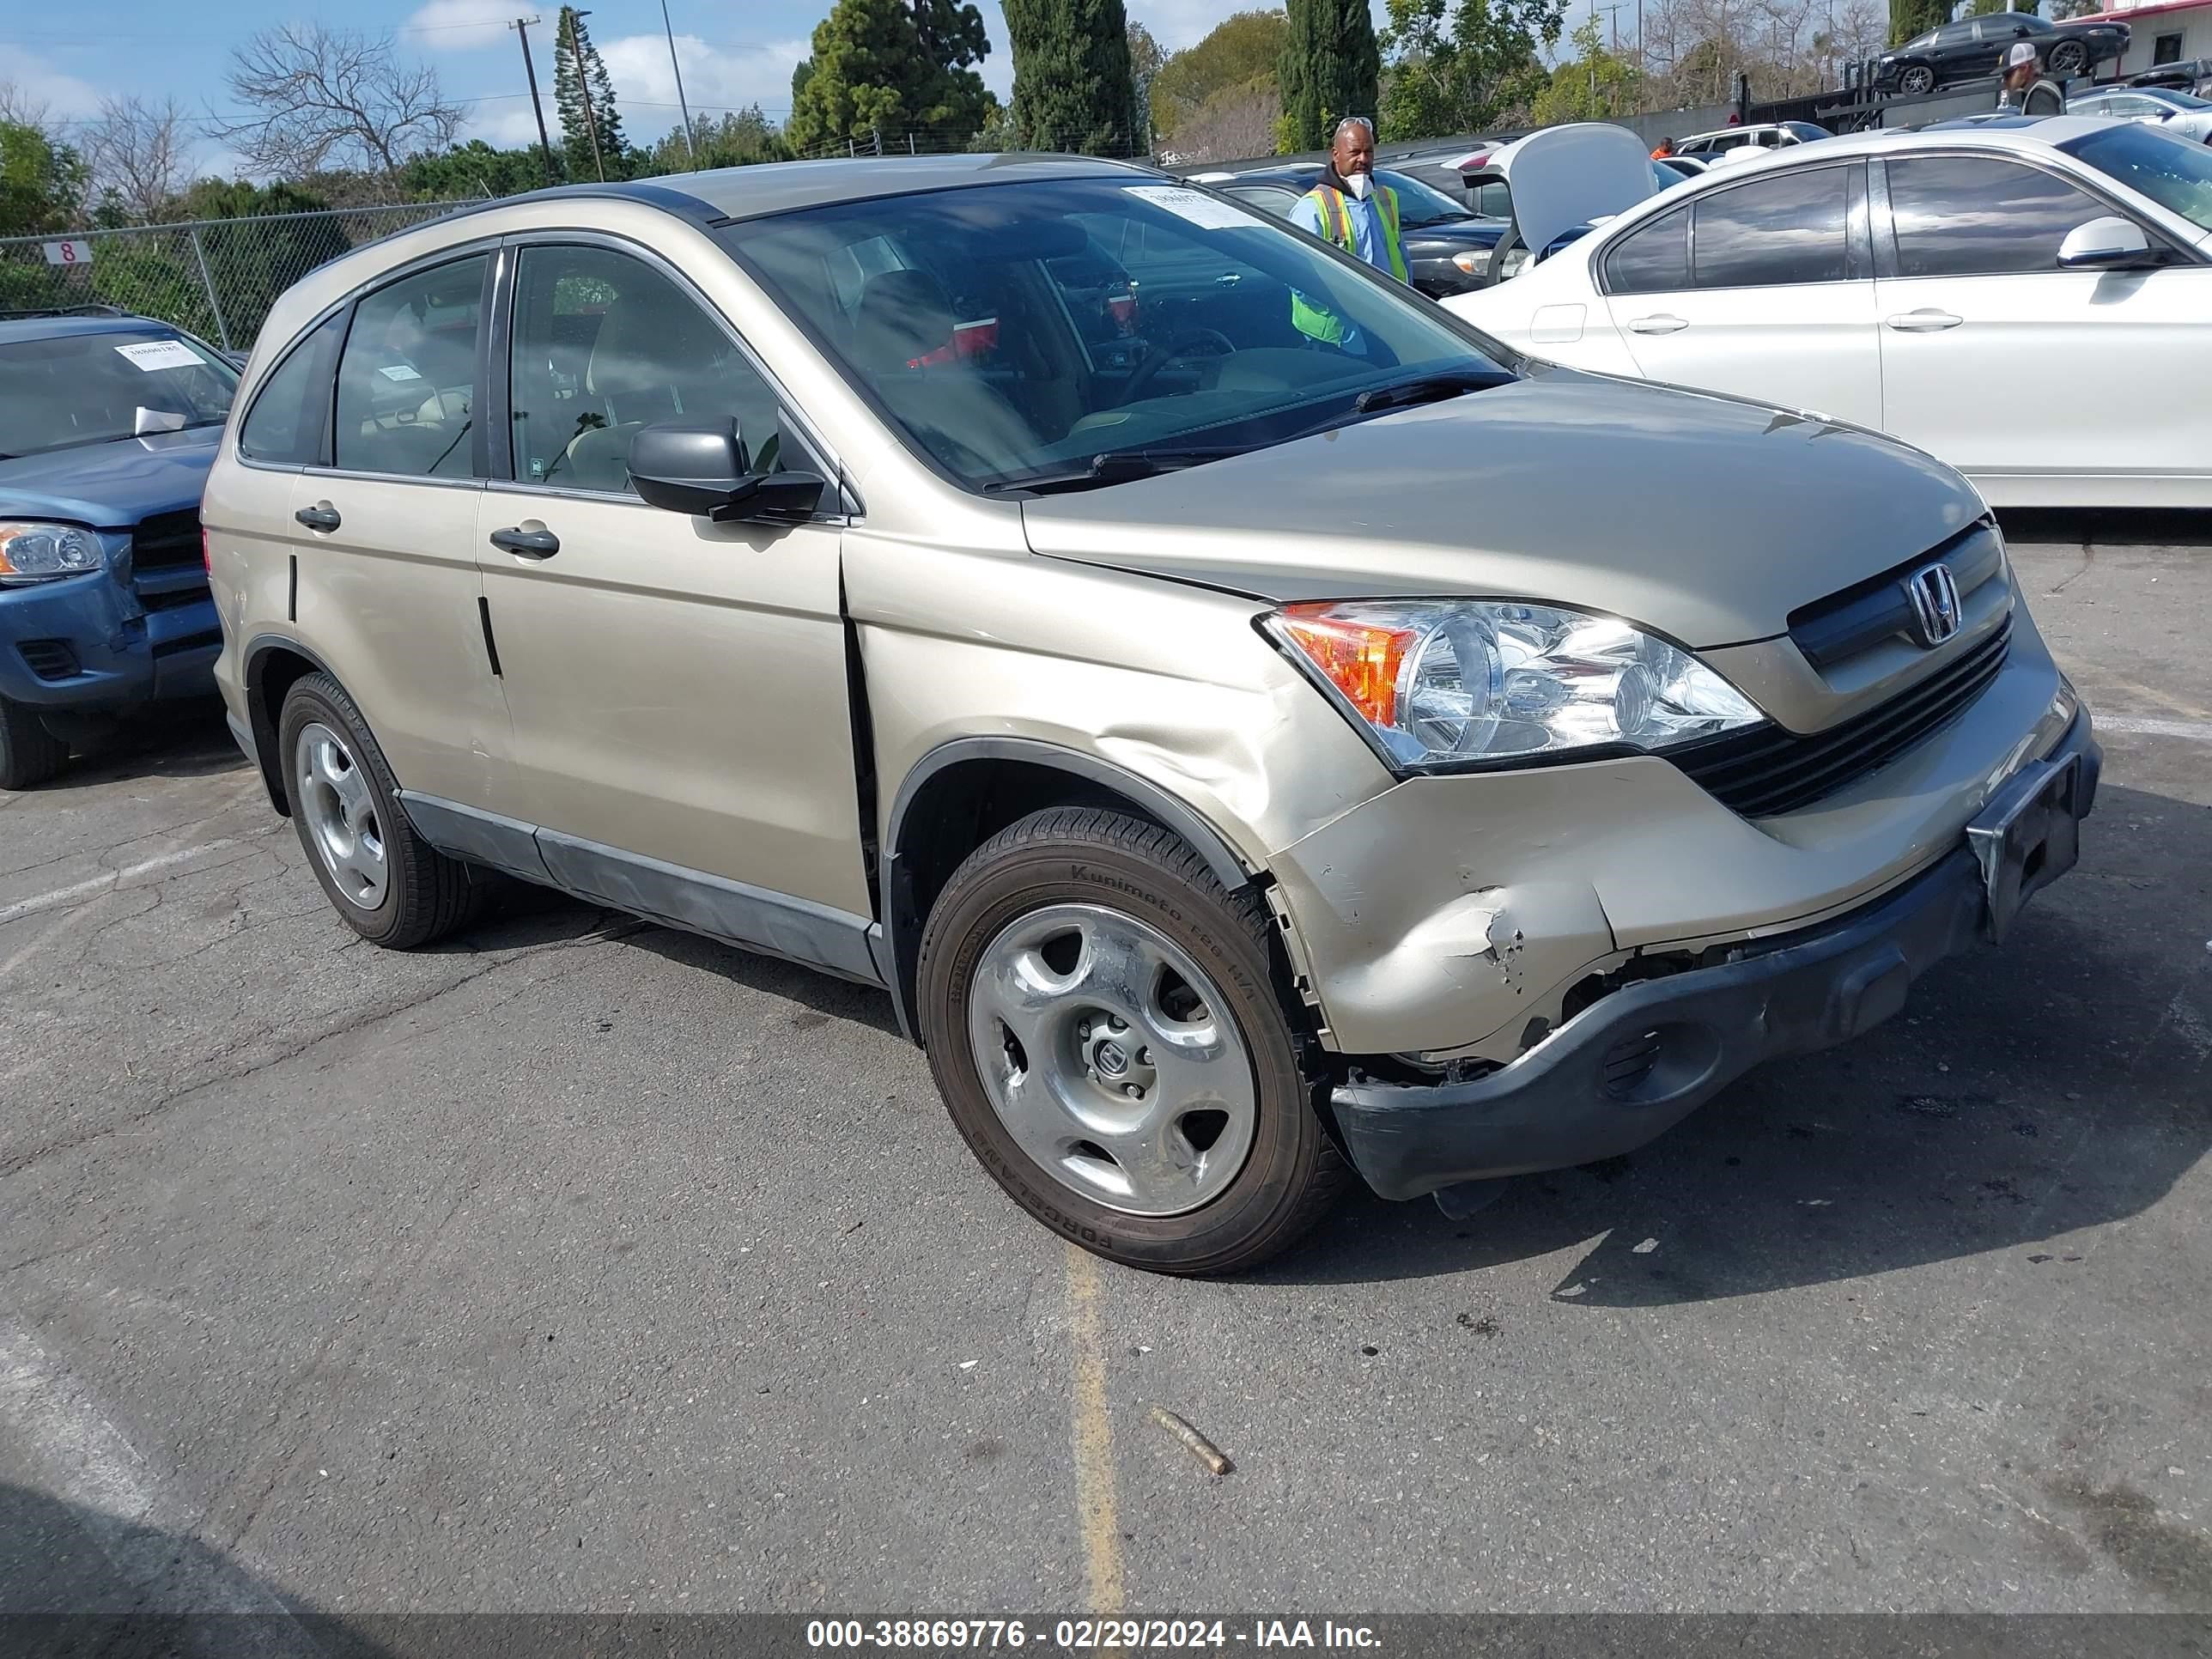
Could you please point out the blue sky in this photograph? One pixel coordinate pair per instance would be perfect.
(733, 54)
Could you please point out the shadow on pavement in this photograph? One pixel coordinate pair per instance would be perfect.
(182, 740)
(2055, 1083)
(2108, 526)
(75, 1581)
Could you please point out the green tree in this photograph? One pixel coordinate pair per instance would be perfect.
(1146, 60)
(590, 128)
(738, 139)
(1909, 17)
(41, 182)
(472, 169)
(1461, 66)
(873, 76)
(1071, 87)
(1243, 52)
(1593, 85)
(1330, 66)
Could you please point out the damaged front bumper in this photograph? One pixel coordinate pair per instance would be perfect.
(1639, 1060)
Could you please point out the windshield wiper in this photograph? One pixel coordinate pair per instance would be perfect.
(1117, 466)
(1429, 389)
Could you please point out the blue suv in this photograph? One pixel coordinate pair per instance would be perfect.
(108, 424)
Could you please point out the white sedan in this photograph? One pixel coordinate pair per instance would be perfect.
(2029, 300)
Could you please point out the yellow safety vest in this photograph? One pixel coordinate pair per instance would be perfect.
(1309, 319)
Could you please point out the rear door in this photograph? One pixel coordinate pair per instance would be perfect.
(2000, 363)
(683, 732)
(388, 587)
(1764, 289)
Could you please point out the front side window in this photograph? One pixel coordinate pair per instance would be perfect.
(1966, 215)
(2173, 171)
(407, 376)
(1779, 230)
(604, 345)
(1247, 333)
(69, 390)
(284, 428)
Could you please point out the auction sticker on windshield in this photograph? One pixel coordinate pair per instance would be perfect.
(152, 354)
(1200, 209)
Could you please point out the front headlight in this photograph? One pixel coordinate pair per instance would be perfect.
(33, 552)
(1441, 681)
(1475, 261)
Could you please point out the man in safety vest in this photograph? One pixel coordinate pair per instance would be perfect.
(1346, 206)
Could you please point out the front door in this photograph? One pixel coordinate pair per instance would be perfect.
(385, 533)
(683, 736)
(1764, 289)
(1999, 362)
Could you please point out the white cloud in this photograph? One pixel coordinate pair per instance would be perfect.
(507, 123)
(460, 25)
(36, 83)
(715, 78)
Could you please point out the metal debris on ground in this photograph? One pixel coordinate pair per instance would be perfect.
(1196, 1443)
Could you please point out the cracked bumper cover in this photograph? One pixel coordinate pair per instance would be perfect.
(1583, 1094)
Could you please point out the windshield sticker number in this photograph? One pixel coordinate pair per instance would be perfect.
(150, 356)
(1202, 210)
(399, 372)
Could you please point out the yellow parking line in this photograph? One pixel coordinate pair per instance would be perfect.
(1096, 1512)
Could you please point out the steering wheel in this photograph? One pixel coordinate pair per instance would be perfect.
(1219, 344)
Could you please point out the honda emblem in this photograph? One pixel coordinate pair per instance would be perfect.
(1934, 592)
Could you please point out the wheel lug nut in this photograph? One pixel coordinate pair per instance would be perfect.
(1133, 1091)
(1143, 1056)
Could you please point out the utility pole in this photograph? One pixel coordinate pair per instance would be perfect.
(584, 88)
(522, 27)
(1612, 16)
(691, 150)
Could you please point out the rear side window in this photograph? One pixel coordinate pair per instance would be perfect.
(284, 428)
(1963, 215)
(1782, 230)
(407, 378)
(1655, 260)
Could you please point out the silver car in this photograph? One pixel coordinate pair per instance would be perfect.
(1254, 728)
(2182, 114)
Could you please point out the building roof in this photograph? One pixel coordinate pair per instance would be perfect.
(2155, 7)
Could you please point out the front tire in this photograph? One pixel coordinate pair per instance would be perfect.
(29, 754)
(1102, 1021)
(2069, 58)
(388, 884)
(1915, 80)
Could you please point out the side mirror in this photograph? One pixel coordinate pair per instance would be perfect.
(701, 467)
(2108, 244)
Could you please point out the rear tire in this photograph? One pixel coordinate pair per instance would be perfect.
(1154, 1106)
(1917, 78)
(29, 754)
(388, 884)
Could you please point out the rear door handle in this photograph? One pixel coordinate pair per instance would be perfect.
(1658, 323)
(1228, 278)
(530, 544)
(1926, 321)
(321, 516)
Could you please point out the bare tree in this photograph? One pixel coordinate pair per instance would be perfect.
(324, 98)
(20, 107)
(142, 154)
(1235, 123)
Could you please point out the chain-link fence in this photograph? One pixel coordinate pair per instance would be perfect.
(215, 277)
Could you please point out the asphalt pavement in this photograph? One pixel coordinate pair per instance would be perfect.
(582, 1264)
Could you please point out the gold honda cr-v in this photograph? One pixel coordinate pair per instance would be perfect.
(1255, 727)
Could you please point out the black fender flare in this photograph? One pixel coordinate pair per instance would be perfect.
(263, 718)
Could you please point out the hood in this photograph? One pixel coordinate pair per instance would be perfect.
(111, 485)
(1453, 235)
(1705, 518)
(1572, 175)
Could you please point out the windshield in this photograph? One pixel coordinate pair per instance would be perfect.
(1419, 204)
(2173, 171)
(2178, 100)
(61, 393)
(958, 314)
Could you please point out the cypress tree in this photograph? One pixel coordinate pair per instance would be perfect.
(886, 69)
(586, 98)
(1909, 17)
(1072, 83)
(1330, 67)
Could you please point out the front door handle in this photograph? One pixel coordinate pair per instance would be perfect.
(1658, 323)
(321, 516)
(530, 544)
(1926, 321)
(1228, 278)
